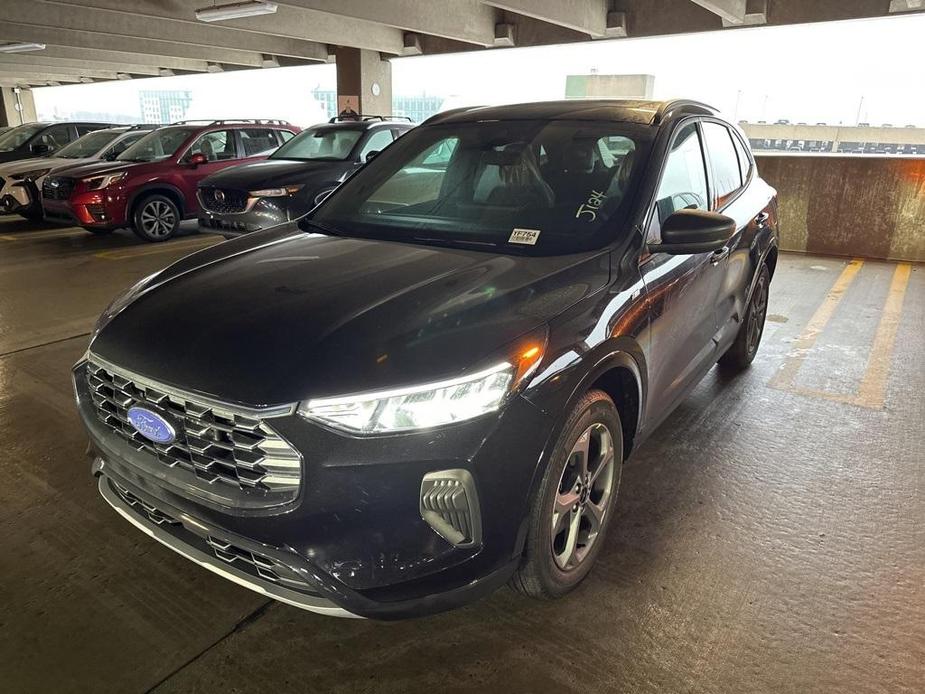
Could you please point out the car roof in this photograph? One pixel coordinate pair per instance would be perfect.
(641, 111)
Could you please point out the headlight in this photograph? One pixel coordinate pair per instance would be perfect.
(428, 405)
(119, 303)
(30, 175)
(100, 182)
(275, 192)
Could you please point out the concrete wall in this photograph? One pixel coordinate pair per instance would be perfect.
(870, 207)
(9, 114)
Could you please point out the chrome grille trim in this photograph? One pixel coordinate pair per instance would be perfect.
(219, 444)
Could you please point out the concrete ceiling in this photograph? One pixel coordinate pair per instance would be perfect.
(89, 40)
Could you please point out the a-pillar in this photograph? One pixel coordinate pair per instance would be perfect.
(16, 106)
(364, 82)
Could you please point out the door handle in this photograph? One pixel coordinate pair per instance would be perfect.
(720, 255)
(762, 219)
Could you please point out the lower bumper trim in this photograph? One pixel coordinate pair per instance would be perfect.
(215, 565)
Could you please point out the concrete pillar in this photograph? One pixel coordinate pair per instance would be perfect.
(364, 81)
(16, 106)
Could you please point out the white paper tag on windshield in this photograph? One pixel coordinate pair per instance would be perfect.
(525, 236)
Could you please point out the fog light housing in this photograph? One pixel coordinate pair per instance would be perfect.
(450, 505)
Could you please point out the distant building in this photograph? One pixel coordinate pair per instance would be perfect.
(609, 86)
(417, 108)
(842, 139)
(163, 106)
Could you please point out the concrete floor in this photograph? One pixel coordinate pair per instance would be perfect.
(770, 537)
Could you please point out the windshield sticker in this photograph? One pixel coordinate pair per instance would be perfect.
(525, 236)
(590, 208)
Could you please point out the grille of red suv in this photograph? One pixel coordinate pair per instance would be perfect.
(223, 200)
(217, 444)
(57, 187)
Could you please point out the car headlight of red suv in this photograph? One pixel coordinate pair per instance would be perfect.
(101, 182)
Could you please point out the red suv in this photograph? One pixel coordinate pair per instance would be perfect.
(151, 186)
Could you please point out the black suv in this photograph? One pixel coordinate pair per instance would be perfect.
(426, 387)
(42, 139)
(296, 177)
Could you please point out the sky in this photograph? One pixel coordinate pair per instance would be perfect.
(804, 73)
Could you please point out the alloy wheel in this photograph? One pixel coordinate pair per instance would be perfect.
(583, 497)
(158, 219)
(756, 316)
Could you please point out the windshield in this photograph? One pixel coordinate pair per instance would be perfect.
(88, 145)
(160, 144)
(535, 187)
(16, 137)
(324, 143)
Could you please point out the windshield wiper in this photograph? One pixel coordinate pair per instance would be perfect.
(453, 242)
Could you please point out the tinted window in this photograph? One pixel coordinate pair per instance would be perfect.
(84, 129)
(88, 145)
(727, 178)
(123, 144)
(216, 146)
(284, 135)
(517, 186)
(321, 142)
(158, 145)
(55, 137)
(257, 141)
(17, 136)
(684, 180)
(745, 163)
(377, 142)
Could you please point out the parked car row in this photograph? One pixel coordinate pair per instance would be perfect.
(235, 176)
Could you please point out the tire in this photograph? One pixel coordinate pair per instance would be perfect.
(742, 352)
(156, 218)
(553, 563)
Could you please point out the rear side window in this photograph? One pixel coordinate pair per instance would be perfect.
(727, 176)
(745, 162)
(684, 181)
(257, 141)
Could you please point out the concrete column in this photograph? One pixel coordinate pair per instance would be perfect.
(16, 106)
(364, 81)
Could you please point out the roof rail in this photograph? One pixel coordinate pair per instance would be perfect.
(364, 117)
(688, 106)
(146, 126)
(228, 121)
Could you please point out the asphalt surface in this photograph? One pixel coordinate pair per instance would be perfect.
(769, 537)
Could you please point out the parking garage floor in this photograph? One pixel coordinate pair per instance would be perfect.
(770, 536)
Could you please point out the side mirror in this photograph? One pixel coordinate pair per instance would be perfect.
(40, 148)
(694, 231)
(198, 159)
(372, 155)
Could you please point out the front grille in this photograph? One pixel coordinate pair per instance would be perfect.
(220, 446)
(253, 563)
(223, 200)
(57, 187)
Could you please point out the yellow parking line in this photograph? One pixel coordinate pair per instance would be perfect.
(138, 251)
(785, 377)
(47, 234)
(872, 392)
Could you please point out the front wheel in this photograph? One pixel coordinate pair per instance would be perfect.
(742, 352)
(574, 505)
(156, 218)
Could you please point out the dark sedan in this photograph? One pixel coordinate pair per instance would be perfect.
(293, 179)
(427, 387)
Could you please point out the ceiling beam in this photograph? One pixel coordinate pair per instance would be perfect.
(290, 31)
(14, 61)
(469, 21)
(52, 36)
(93, 55)
(731, 11)
(124, 24)
(586, 16)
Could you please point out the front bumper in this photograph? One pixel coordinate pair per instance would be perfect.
(98, 209)
(17, 197)
(355, 533)
(265, 213)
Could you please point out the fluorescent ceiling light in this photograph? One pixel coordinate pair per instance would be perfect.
(21, 47)
(235, 10)
(123, 76)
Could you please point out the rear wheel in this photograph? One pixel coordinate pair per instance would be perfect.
(574, 505)
(156, 218)
(742, 352)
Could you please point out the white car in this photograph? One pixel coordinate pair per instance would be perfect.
(21, 180)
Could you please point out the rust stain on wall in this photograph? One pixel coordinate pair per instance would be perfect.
(870, 207)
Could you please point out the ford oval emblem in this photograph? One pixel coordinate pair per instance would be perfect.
(151, 425)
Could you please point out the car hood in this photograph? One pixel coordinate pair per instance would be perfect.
(23, 165)
(97, 167)
(283, 315)
(275, 172)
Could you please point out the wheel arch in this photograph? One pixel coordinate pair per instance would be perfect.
(159, 188)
